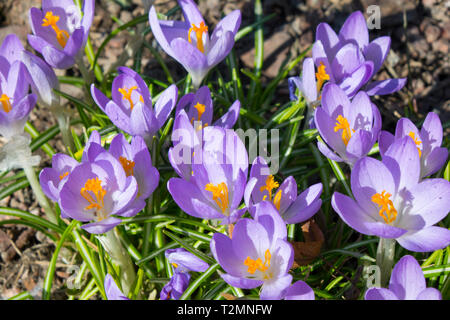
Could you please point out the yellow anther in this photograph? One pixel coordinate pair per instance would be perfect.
(269, 186)
(257, 264)
(128, 165)
(416, 141)
(200, 110)
(277, 199)
(342, 124)
(127, 95)
(220, 194)
(6, 103)
(62, 36)
(62, 176)
(199, 35)
(175, 265)
(93, 187)
(321, 76)
(387, 210)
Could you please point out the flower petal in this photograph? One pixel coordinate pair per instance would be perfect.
(426, 240)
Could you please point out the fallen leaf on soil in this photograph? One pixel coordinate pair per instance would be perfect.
(228, 296)
(306, 252)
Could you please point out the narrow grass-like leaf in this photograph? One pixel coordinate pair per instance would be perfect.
(195, 284)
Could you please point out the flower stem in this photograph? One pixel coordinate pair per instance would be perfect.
(385, 259)
(40, 196)
(121, 258)
(64, 127)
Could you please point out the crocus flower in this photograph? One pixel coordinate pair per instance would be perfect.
(39, 74)
(262, 186)
(176, 286)
(348, 128)
(257, 254)
(216, 187)
(15, 102)
(299, 291)
(407, 283)
(310, 84)
(390, 202)
(60, 30)
(189, 43)
(53, 179)
(428, 142)
(131, 106)
(112, 290)
(98, 190)
(349, 60)
(199, 108)
(182, 262)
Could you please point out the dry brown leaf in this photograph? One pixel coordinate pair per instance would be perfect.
(306, 252)
(228, 296)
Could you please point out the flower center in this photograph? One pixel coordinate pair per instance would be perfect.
(269, 186)
(128, 165)
(199, 35)
(416, 141)
(6, 103)
(387, 210)
(200, 110)
(175, 265)
(321, 76)
(127, 95)
(62, 36)
(257, 264)
(220, 195)
(94, 194)
(342, 124)
(62, 176)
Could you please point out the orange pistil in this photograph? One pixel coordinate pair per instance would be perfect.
(200, 111)
(387, 210)
(6, 103)
(175, 265)
(342, 124)
(93, 188)
(128, 165)
(269, 186)
(127, 95)
(220, 195)
(321, 76)
(257, 264)
(416, 141)
(62, 36)
(62, 176)
(199, 35)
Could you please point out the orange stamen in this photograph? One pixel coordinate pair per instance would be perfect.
(257, 264)
(62, 176)
(62, 36)
(269, 186)
(220, 195)
(128, 165)
(416, 141)
(6, 103)
(199, 35)
(127, 95)
(387, 210)
(321, 76)
(93, 188)
(342, 124)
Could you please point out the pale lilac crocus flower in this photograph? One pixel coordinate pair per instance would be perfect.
(216, 186)
(391, 203)
(182, 262)
(257, 254)
(112, 291)
(299, 290)
(349, 60)
(131, 106)
(428, 142)
(407, 283)
(349, 128)
(189, 42)
(60, 30)
(262, 186)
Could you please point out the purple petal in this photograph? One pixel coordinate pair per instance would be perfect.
(385, 140)
(299, 291)
(354, 81)
(426, 240)
(326, 125)
(385, 86)
(329, 39)
(379, 294)
(359, 144)
(228, 120)
(112, 290)
(431, 132)
(346, 61)
(101, 226)
(274, 290)
(305, 206)
(267, 215)
(165, 104)
(355, 30)
(429, 294)
(192, 59)
(327, 152)
(308, 85)
(334, 100)
(222, 250)
(377, 52)
(243, 283)
(434, 161)
(407, 279)
(320, 56)
(190, 11)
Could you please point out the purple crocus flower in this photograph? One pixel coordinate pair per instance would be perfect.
(199, 108)
(60, 30)
(53, 179)
(189, 43)
(131, 106)
(38, 73)
(428, 142)
(176, 286)
(112, 290)
(98, 190)
(299, 291)
(292, 208)
(390, 202)
(15, 102)
(348, 128)
(182, 262)
(349, 60)
(407, 283)
(216, 186)
(310, 84)
(258, 253)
